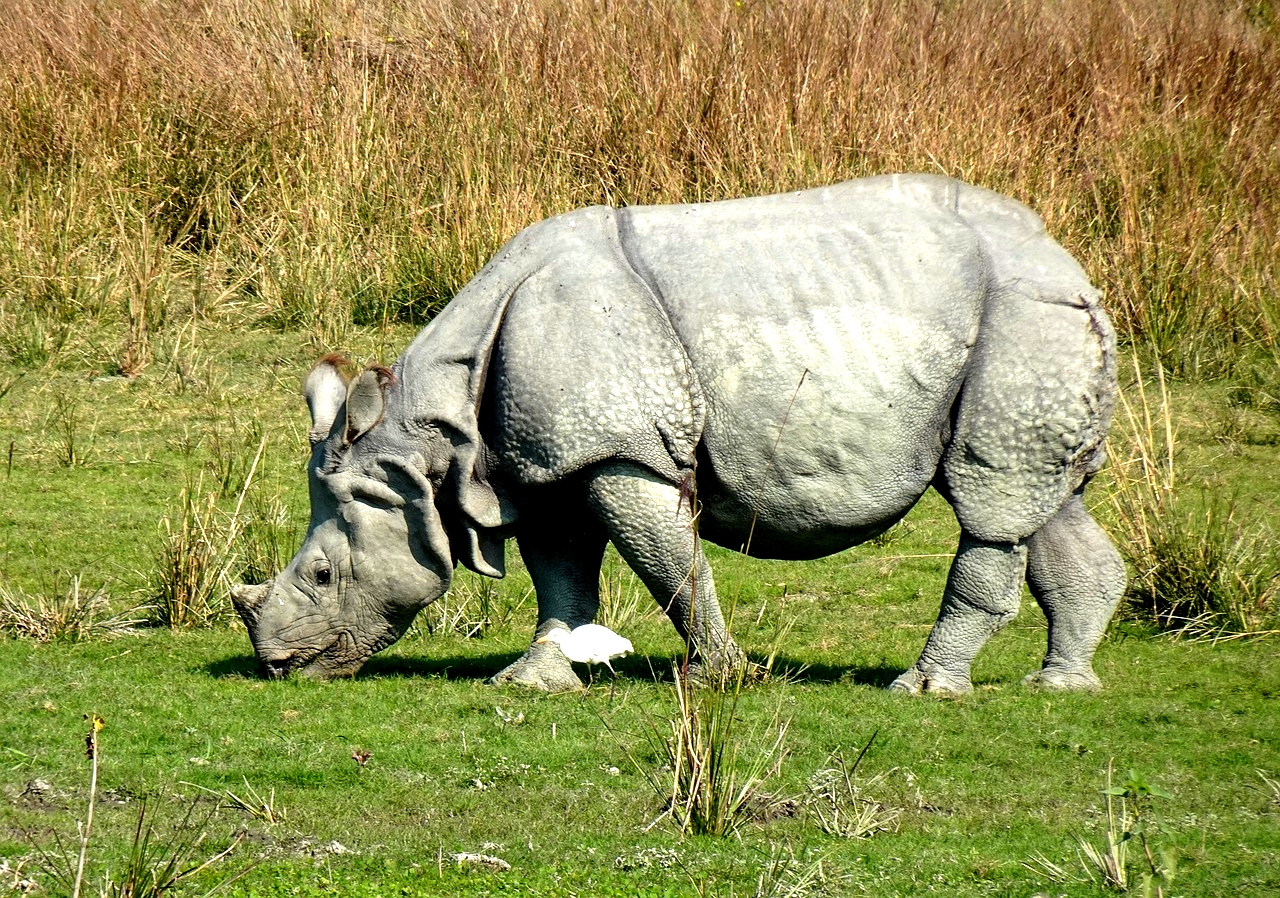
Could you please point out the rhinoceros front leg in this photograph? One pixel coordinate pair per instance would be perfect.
(1077, 576)
(652, 527)
(982, 595)
(562, 546)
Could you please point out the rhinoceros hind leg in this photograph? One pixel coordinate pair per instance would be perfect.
(982, 595)
(1078, 577)
(652, 528)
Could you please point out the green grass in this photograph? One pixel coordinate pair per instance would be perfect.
(984, 785)
(196, 207)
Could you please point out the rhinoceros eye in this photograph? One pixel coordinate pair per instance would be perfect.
(324, 575)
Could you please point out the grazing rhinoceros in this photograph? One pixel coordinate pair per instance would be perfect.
(810, 361)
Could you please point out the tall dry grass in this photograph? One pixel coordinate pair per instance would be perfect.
(307, 161)
(1197, 567)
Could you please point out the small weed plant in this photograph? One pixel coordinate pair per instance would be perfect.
(155, 865)
(1129, 823)
(841, 806)
(1127, 842)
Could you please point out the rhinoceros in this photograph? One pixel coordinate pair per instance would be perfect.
(782, 375)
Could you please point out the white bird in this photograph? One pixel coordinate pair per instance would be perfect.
(590, 644)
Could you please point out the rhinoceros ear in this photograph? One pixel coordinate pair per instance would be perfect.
(326, 390)
(397, 482)
(366, 401)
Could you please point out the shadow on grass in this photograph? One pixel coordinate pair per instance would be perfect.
(659, 669)
(456, 666)
(650, 668)
(233, 667)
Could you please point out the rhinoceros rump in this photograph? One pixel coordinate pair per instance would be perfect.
(811, 362)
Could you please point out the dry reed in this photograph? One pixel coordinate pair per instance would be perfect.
(303, 162)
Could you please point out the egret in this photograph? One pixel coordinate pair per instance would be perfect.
(590, 644)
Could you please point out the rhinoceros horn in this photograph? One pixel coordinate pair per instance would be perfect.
(248, 599)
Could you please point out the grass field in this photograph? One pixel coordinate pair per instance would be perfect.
(197, 200)
(981, 791)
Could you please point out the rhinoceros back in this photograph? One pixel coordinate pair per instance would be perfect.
(808, 346)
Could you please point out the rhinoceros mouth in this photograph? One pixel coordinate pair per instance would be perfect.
(340, 657)
(319, 663)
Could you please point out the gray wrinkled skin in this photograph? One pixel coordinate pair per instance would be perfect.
(809, 362)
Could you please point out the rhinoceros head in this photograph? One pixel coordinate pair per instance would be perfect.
(376, 551)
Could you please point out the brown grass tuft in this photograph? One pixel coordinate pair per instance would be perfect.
(300, 163)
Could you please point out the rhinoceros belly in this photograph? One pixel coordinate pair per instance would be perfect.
(822, 432)
(830, 335)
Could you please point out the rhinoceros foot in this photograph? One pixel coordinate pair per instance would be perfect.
(542, 667)
(934, 680)
(1063, 679)
(723, 669)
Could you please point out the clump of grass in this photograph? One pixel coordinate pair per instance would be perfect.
(70, 440)
(73, 616)
(623, 601)
(473, 607)
(252, 802)
(466, 609)
(1273, 789)
(32, 337)
(716, 773)
(193, 563)
(157, 865)
(841, 805)
(783, 875)
(199, 556)
(1215, 577)
(266, 539)
(1197, 569)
